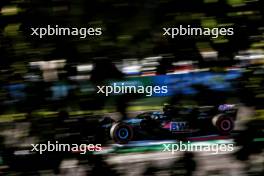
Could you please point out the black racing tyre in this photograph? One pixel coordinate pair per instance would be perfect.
(121, 133)
(224, 124)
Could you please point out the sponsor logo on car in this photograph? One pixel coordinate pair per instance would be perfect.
(178, 126)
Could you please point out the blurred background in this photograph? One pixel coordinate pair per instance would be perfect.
(45, 80)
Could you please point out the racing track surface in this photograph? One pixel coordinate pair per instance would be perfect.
(207, 162)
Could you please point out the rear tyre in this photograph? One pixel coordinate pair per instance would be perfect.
(224, 124)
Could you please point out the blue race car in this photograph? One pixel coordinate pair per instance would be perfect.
(175, 122)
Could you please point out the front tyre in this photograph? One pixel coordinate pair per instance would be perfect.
(121, 133)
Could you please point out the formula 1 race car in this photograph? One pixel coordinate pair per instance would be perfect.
(175, 122)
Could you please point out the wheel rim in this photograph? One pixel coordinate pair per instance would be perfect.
(225, 125)
(123, 133)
